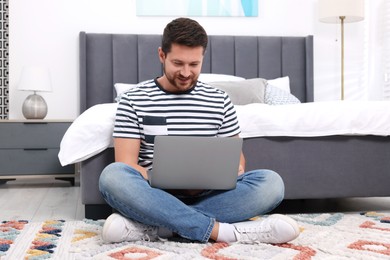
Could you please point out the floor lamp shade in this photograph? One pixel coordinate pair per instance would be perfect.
(331, 10)
(35, 79)
(341, 11)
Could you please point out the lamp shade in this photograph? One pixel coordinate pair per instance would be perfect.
(35, 79)
(331, 10)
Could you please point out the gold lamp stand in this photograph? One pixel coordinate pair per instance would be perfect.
(341, 11)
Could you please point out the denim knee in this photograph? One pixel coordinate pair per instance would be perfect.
(277, 192)
(269, 188)
(112, 176)
(106, 178)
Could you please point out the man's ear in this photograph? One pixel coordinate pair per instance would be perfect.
(161, 55)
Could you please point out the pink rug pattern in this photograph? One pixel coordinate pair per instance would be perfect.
(323, 236)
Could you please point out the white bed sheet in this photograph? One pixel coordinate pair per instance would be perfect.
(315, 119)
(91, 132)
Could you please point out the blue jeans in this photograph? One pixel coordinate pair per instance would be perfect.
(192, 217)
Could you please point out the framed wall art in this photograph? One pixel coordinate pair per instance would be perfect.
(234, 8)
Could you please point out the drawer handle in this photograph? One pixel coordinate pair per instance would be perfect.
(35, 149)
(35, 123)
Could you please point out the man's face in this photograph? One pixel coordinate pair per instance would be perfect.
(182, 66)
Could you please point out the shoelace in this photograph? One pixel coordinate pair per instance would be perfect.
(149, 233)
(254, 234)
(141, 232)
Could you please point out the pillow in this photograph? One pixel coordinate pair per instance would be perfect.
(243, 92)
(211, 77)
(282, 83)
(276, 96)
(89, 134)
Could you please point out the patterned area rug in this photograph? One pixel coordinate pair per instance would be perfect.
(323, 236)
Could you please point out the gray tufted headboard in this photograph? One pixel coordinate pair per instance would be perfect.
(106, 59)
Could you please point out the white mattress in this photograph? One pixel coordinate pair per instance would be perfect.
(91, 132)
(315, 119)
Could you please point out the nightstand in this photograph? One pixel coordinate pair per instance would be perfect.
(29, 149)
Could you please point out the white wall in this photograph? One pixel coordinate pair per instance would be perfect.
(45, 32)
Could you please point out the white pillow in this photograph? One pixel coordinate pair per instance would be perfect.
(212, 77)
(89, 134)
(282, 83)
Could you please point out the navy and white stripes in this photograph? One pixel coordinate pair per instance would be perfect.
(147, 110)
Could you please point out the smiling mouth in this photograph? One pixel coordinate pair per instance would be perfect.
(184, 80)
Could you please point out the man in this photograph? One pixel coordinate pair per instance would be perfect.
(177, 104)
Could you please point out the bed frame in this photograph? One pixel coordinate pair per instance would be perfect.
(315, 167)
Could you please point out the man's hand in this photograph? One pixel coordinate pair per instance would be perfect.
(241, 170)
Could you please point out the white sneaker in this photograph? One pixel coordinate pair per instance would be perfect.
(275, 229)
(119, 229)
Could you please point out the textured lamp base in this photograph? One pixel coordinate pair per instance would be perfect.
(34, 107)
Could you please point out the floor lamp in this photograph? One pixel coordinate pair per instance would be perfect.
(341, 11)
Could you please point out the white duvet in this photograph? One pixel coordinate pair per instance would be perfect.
(315, 119)
(91, 132)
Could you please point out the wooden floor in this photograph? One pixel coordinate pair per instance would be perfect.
(40, 199)
(43, 199)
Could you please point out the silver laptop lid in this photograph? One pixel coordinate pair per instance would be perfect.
(183, 162)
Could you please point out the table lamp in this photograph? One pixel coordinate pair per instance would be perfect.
(35, 79)
(341, 11)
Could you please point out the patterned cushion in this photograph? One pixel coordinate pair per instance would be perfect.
(276, 96)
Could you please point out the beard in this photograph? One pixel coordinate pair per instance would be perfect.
(179, 82)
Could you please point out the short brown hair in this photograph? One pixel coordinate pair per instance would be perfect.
(184, 31)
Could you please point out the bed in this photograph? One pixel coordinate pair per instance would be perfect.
(333, 165)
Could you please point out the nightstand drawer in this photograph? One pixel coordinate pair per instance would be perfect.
(34, 161)
(32, 134)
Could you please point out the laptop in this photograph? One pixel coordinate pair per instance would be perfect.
(183, 162)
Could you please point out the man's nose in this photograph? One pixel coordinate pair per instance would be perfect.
(185, 71)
